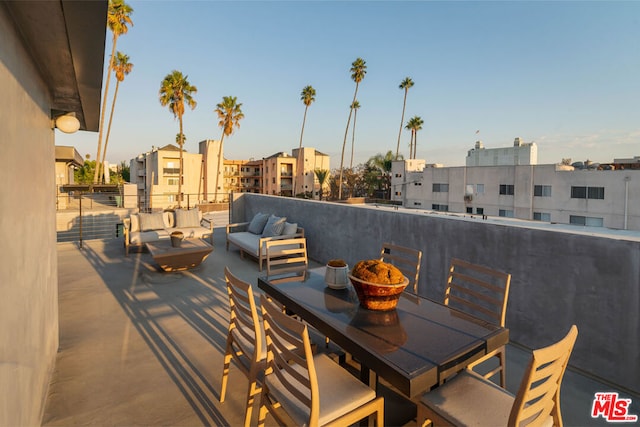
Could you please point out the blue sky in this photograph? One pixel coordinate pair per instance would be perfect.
(562, 74)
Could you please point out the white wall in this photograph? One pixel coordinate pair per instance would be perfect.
(28, 260)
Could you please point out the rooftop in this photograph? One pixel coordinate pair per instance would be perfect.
(142, 347)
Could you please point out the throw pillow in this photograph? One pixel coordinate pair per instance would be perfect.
(289, 228)
(151, 221)
(274, 226)
(135, 222)
(257, 223)
(187, 218)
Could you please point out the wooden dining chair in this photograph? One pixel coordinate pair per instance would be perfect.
(407, 260)
(287, 256)
(469, 399)
(302, 389)
(245, 341)
(483, 293)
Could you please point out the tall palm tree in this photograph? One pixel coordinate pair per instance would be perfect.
(121, 68)
(354, 107)
(406, 84)
(307, 96)
(230, 113)
(321, 175)
(358, 71)
(176, 91)
(414, 125)
(117, 20)
(180, 136)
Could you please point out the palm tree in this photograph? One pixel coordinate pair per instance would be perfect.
(307, 96)
(383, 165)
(414, 125)
(406, 84)
(354, 107)
(121, 68)
(175, 91)
(321, 175)
(117, 21)
(180, 135)
(358, 71)
(230, 114)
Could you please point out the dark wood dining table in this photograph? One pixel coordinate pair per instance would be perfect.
(413, 347)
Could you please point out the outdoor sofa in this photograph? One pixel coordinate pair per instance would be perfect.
(143, 228)
(251, 237)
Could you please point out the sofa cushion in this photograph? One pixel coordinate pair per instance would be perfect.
(257, 223)
(274, 226)
(247, 241)
(289, 228)
(169, 219)
(135, 223)
(141, 237)
(187, 218)
(151, 221)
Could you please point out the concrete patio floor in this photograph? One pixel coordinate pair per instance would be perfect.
(141, 347)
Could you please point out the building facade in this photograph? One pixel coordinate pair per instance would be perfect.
(281, 172)
(242, 176)
(550, 193)
(520, 154)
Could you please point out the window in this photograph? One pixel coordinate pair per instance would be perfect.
(506, 189)
(542, 190)
(172, 181)
(398, 193)
(441, 208)
(440, 188)
(468, 189)
(587, 193)
(273, 180)
(480, 188)
(585, 220)
(508, 213)
(595, 193)
(480, 211)
(469, 210)
(542, 216)
(417, 183)
(398, 175)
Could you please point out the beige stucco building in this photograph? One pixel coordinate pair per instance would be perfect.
(51, 63)
(550, 193)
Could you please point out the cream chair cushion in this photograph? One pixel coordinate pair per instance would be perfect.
(340, 393)
(485, 403)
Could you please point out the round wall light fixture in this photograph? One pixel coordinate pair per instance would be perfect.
(68, 123)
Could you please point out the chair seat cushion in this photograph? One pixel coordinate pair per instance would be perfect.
(340, 392)
(470, 400)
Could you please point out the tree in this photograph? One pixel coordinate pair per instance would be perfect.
(117, 20)
(180, 135)
(414, 125)
(125, 171)
(358, 71)
(321, 175)
(383, 165)
(121, 68)
(84, 174)
(230, 113)
(307, 96)
(354, 106)
(406, 84)
(175, 91)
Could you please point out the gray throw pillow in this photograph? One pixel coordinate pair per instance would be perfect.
(257, 223)
(289, 228)
(151, 221)
(274, 226)
(187, 218)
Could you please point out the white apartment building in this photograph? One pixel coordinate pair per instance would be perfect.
(551, 193)
(520, 154)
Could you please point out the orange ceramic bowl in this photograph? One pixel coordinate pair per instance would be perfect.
(375, 296)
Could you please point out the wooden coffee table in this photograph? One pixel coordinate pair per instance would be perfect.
(189, 255)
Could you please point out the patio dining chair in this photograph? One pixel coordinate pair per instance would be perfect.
(287, 256)
(407, 260)
(481, 292)
(245, 341)
(469, 399)
(302, 389)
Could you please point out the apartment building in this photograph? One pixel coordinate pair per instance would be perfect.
(550, 193)
(157, 173)
(280, 168)
(243, 176)
(305, 180)
(520, 154)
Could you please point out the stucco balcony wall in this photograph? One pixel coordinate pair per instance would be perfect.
(560, 275)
